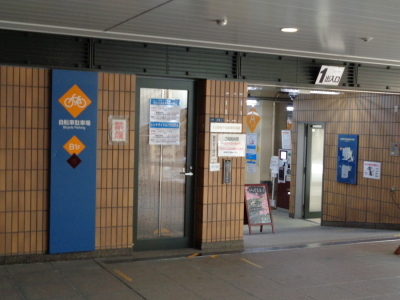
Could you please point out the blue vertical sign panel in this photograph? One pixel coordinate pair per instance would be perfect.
(347, 158)
(73, 161)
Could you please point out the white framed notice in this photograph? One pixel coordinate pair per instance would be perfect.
(372, 170)
(251, 167)
(215, 167)
(274, 164)
(232, 145)
(164, 124)
(213, 148)
(226, 127)
(286, 139)
(118, 130)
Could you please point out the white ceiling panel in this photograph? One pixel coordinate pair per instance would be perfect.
(327, 28)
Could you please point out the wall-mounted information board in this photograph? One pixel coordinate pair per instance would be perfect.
(258, 209)
(347, 158)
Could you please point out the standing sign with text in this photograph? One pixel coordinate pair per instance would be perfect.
(258, 210)
(73, 161)
(347, 158)
(164, 122)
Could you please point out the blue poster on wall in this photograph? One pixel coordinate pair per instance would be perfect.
(73, 161)
(347, 158)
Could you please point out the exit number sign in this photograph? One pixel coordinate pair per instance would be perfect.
(329, 75)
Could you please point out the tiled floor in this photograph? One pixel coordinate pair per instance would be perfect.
(302, 260)
(292, 232)
(353, 271)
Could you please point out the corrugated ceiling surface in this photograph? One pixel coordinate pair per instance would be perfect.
(331, 29)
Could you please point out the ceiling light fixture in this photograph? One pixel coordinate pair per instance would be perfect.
(367, 38)
(289, 29)
(251, 102)
(222, 22)
(254, 88)
(290, 90)
(324, 92)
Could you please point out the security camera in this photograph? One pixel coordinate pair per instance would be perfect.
(293, 95)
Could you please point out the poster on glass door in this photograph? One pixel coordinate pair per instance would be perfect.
(164, 127)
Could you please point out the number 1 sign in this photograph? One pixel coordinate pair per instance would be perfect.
(329, 75)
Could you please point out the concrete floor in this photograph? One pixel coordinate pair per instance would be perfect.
(292, 232)
(302, 260)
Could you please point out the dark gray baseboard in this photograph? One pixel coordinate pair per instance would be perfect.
(35, 258)
(362, 225)
(228, 245)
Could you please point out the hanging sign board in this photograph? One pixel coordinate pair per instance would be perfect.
(164, 122)
(347, 158)
(330, 75)
(232, 145)
(258, 210)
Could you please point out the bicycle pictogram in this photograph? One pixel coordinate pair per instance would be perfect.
(75, 100)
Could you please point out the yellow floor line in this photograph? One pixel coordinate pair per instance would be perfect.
(397, 235)
(193, 255)
(249, 262)
(122, 275)
(213, 256)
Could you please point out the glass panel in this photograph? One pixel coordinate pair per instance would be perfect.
(317, 160)
(161, 190)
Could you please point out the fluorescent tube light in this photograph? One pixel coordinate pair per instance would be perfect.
(251, 102)
(324, 92)
(289, 29)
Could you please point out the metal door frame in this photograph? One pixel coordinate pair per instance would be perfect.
(188, 239)
(307, 175)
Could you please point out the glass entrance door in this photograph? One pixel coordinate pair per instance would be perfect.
(164, 164)
(314, 170)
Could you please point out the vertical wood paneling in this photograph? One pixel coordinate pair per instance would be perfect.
(115, 168)
(372, 117)
(219, 206)
(24, 149)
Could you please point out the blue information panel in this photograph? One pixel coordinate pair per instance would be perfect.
(73, 161)
(347, 158)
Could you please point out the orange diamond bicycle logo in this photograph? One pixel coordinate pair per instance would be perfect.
(74, 145)
(75, 101)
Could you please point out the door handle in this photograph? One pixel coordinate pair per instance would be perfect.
(187, 174)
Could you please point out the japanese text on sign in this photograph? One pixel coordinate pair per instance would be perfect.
(232, 145)
(164, 127)
(118, 133)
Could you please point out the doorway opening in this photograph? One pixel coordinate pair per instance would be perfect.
(164, 164)
(269, 120)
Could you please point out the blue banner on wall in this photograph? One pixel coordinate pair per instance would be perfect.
(347, 158)
(73, 161)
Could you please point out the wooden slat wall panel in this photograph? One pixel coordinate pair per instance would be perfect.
(372, 117)
(115, 164)
(219, 206)
(24, 160)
